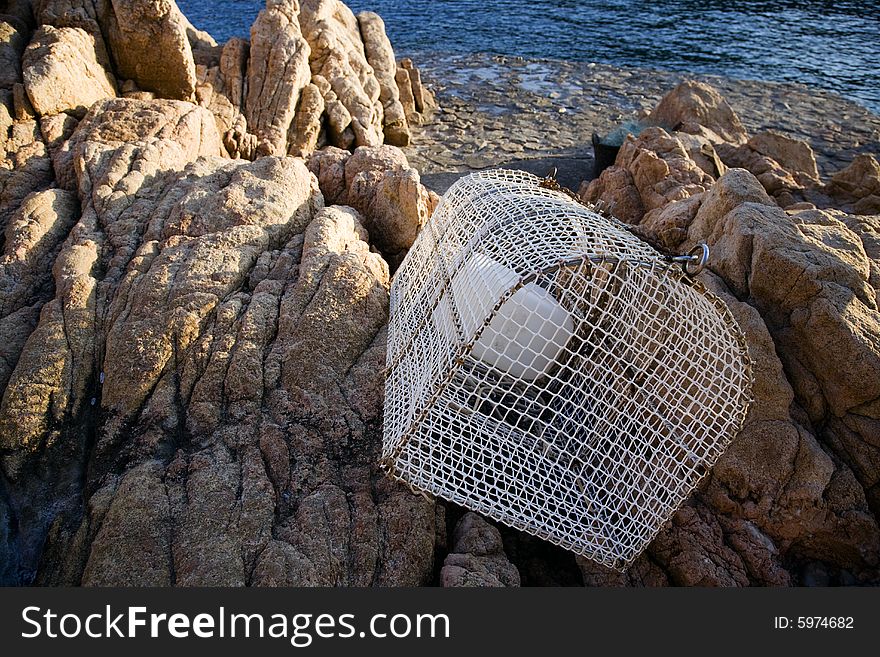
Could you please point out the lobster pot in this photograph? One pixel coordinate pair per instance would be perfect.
(548, 369)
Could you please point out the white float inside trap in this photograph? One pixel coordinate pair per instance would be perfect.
(552, 371)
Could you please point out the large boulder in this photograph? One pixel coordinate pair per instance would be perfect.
(199, 401)
(61, 72)
(809, 276)
(180, 130)
(92, 16)
(380, 56)
(697, 108)
(149, 44)
(278, 70)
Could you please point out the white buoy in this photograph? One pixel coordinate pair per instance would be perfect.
(527, 333)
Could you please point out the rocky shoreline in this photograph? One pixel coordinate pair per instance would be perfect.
(197, 242)
(499, 110)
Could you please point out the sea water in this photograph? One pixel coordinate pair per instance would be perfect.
(830, 45)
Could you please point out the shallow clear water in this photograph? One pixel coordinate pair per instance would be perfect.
(833, 45)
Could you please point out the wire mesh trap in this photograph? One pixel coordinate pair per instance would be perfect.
(552, 371)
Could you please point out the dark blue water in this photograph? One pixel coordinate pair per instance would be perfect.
(832, 45)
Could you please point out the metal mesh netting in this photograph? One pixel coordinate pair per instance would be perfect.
(550, 370)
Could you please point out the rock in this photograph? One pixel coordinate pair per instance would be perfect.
(231, 331)
(33, 238)
(26, 168)
(89, 15)
(693, 551)
(858, 184)
(338, 57)
(703, 153)
(669, 227)
(169, 134)
(477, 557)
(776, 180)
(793, 155)
(209, 94)
(57, 129)
(6, 113)
(328, 165)
(306, 128)
(339, 130)
(278, 69)
(765, 518)
(13, 39)
(182, 131)
(149, 45)
(222, 89)
(867, 205)
(734, 188)
(157, 329)
(650, 171)
(809, 278)
(616, 191)
(381, 185)
(661, 168)
(867, 228)
(407, 100)
(130, 538)
(641, 573)
(380, 56)
(695, 107)
(795, 482)
(424, 100)
(61, 72)
(240, 143)
(233, 70)
(21, 104)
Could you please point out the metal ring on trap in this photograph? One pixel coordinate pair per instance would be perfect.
(552, 371)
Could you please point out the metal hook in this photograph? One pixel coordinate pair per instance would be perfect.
(695, 261)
